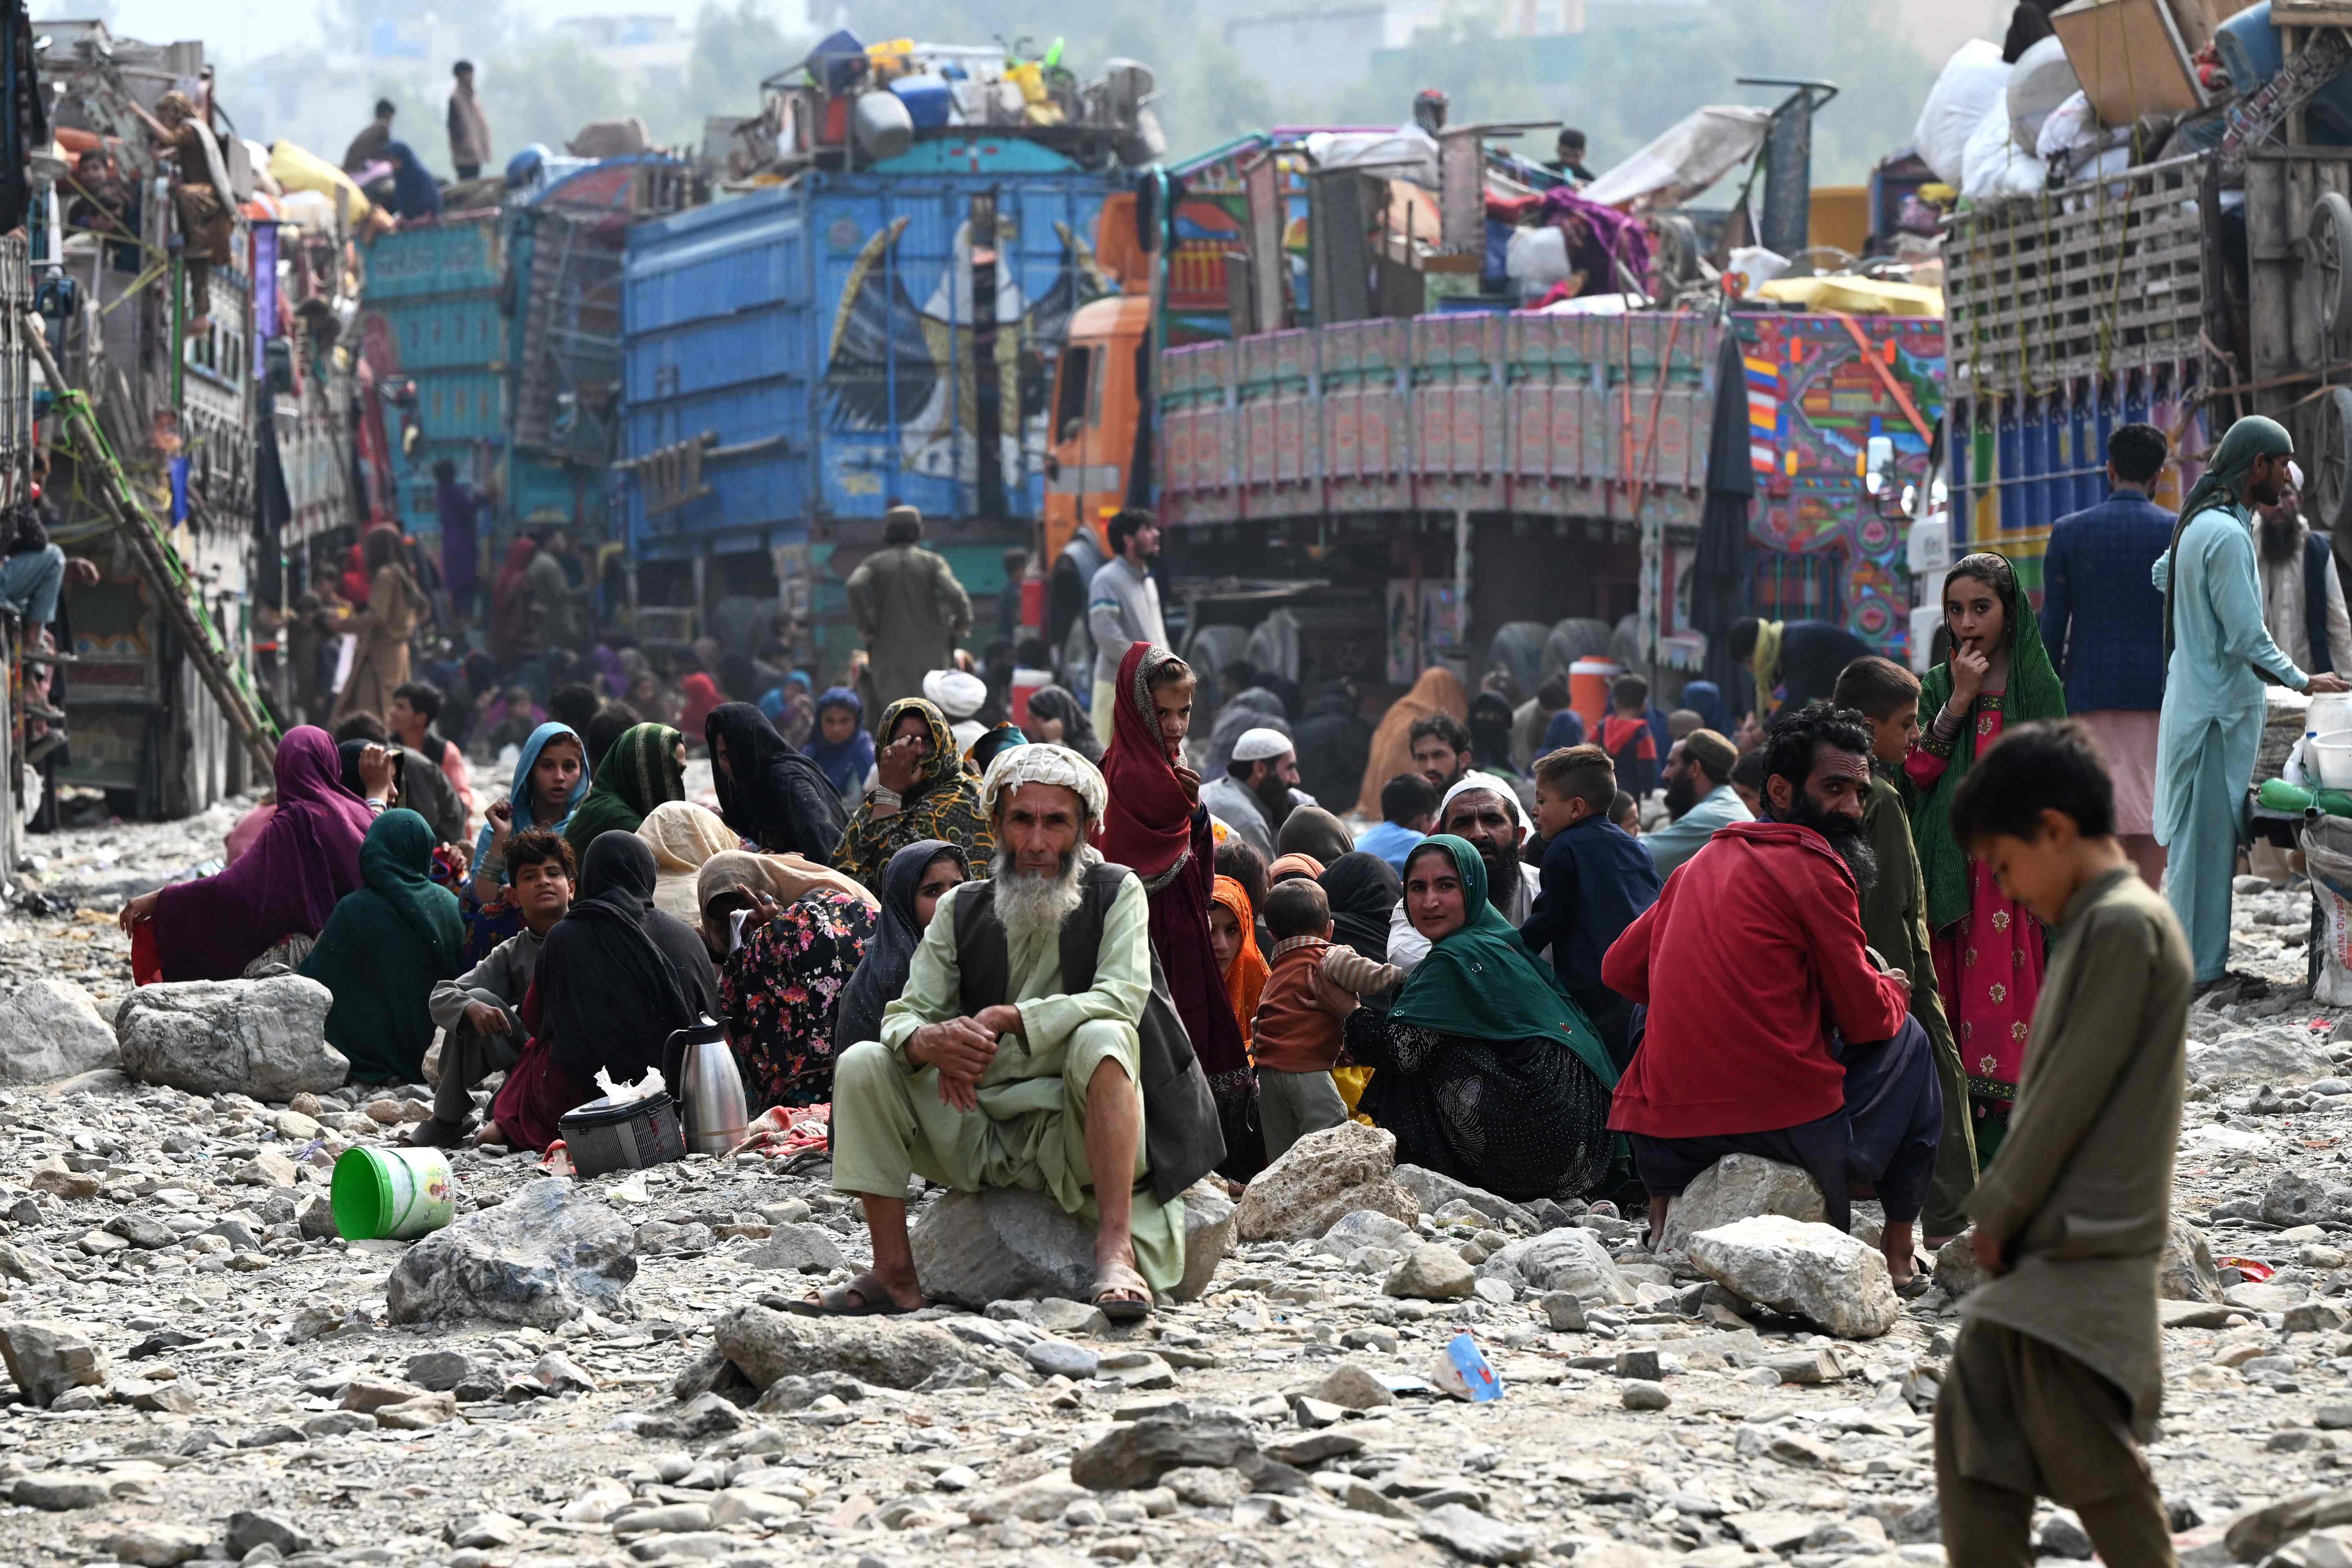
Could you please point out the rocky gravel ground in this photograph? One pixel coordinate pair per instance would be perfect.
(205, 1372)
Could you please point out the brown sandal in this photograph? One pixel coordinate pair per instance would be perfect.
(1117, 1286)
(863, 1296)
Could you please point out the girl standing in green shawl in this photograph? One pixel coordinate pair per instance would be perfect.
(384, 948)
(645, 767)
(1987, 947)
(1484, 1068)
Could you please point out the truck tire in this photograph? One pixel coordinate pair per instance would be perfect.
(2331, 460)
(2327, 260)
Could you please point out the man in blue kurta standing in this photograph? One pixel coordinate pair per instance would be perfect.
(2219, 655)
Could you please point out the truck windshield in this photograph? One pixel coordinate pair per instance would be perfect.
(1070, 399)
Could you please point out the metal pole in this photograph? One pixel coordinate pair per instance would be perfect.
(1788, 223)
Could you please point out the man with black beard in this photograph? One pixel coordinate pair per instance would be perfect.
(2302, 597)
(1699, 797)
(1030, 1049)
(1259, 789)
(1485, 812)
(1770, 1031)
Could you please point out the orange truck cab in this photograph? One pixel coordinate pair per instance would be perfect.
(1097, 409)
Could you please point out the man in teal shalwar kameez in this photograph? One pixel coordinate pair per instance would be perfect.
(2218, 654)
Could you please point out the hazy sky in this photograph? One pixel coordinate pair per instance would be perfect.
(241, 30)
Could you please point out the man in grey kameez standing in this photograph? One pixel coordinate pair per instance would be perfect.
(995, 1069)
(909, 608)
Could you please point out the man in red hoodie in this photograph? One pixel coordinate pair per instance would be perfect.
(1770, 1029)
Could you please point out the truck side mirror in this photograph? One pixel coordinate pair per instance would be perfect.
(1878, 461)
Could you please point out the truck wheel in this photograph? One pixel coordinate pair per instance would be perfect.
(2329, 262)
(2331, 462)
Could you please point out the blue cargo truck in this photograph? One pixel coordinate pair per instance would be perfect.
(799, 359)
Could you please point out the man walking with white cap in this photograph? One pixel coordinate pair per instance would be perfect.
(909, 608)
(1259, 790)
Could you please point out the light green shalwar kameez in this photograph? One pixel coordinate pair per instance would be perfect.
(889, 1122)
(2211, 724)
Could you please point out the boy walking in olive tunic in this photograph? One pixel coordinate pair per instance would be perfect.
(2059, 1370)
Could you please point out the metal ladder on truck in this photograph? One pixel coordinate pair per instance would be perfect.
(223, 674)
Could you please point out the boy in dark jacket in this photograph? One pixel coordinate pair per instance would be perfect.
(2059, 1370)
(1597, 881)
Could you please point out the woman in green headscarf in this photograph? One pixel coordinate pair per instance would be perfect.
(2218, 654)
(1485, 1071)
(1987, 947)
(384, 948)
(645, 767)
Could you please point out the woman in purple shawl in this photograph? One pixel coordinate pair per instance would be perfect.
(308, 857)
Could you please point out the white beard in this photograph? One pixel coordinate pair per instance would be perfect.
(1030, 905)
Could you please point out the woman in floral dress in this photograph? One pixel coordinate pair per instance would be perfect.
(1987, 947)
(778, 990)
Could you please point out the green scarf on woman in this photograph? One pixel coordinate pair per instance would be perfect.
(2034, 693)
(1481, 980)
(386, 943)
(637, 775)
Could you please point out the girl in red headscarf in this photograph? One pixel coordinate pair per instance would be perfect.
(1157, 828)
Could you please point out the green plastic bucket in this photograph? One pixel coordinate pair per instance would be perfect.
(390, 1194)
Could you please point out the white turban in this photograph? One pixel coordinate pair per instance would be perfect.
(2295, 474)
(1257, 745)
(955, 692)
(1046, 764)
(1492, 786)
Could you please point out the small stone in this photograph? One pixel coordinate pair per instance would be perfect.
(1571, 1259)
(666, 1520)
(438, 1371)
(248, 1529)
(48, 1358)
(1060, 1356)
(956, 1478)
(416, 1415)
(154, 1544)
(1642, 1364)
(1138, 1453)
(1352, 1387)
(1008, 1243)
(1475, 1538)
(803, 1248)
(1639, 1395)
(59, 1491)
(2062, 1535)
(142, 1231)
(766, 1345)
(481, 1531)
(1320, 1181)
(1737, 1187)
(266, 1169)
(1431, 1273)
(1205, 1487)
(2333, 1417)
(1564, 1310)
(50, 1029)
(1054, 1315)
(370, 1394)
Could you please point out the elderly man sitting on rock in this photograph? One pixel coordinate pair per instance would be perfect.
(1030, 1051)
(1771, 1030)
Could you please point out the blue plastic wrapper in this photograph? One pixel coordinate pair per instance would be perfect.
(1469, 1363)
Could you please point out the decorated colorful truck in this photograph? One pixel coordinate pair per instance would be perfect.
(1406, 485)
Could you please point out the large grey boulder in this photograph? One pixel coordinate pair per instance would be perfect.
(263, 1037)
(2274, 1052)
(1571, 1259)
(541, 1258)
(51, 1029)
(1812, 1271)
(766, 1345)
(1434, 1190)
(48, 1358)
(1321, 1179)
(1008, 1244)
(1734, 1188)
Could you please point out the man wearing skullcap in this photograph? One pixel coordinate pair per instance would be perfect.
(1028, 1050)
(909, 608)
(2218, 653)
(959, 694)
(1259, 789)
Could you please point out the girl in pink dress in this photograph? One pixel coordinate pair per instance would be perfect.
(1987, 947)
